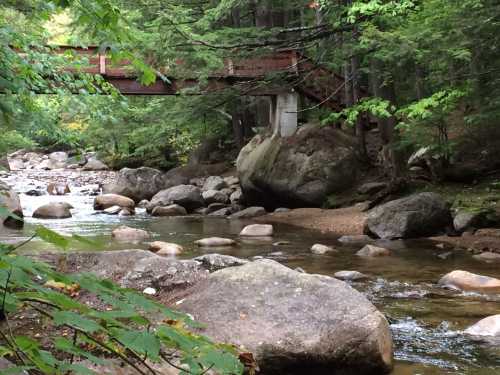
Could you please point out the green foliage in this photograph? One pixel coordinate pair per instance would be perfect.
(123, 328)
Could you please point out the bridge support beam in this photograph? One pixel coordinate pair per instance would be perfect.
(284, 118)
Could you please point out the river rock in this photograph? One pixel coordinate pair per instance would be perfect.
(94, 164)
(373, 251)
(58, 156)
(53, 210)
(236, 196)
(16, 164)
(215, 242)
(360, 239)
(281, 210)
(294, 323)
(488, 257)
(124, 233)
(104, 201)
(113, 210)
(165, 248)
(187, 196)
(10, 200)
(214, 196)
(372, 187)
(419, 215)
(143, 204)
(58, 189)
(257, 230)
(215, 262)
(226, 211)
(468, 281)
(214, 183)
(212, 207)
(138, 269)
(126, 212)
(297, 171)
(320, 249)
(489, 326)
(232, 180)
(171, 210)
(138, 184)
(249, 213)
(350, 275)
(465, 220)
(51, 164)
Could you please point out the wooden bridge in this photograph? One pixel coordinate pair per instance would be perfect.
(298, 76)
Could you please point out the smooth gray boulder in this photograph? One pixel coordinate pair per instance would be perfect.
(138, 184)
(187, 196)
(294, 323)
(419, 215)
(297, 171)
(10, 201)
(53, 210)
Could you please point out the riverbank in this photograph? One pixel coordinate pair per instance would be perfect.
(336, 222)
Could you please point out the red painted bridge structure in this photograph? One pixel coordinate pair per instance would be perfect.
(298, 74)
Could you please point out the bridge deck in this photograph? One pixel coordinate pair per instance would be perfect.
(314, 82)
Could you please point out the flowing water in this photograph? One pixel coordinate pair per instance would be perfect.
(426, 321)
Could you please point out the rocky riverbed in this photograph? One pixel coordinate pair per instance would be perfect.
(427, 313)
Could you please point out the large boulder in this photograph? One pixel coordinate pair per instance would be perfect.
(419, 215)
(10, 201)
(187, 196)
(137, 184)
(101, 202)
(53, 210)
(301, 170)
(294, 323)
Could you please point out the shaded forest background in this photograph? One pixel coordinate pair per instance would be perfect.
(427, 71)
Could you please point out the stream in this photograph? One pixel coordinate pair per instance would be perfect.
(426, 320)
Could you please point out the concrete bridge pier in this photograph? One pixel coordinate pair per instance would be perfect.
(284, 117)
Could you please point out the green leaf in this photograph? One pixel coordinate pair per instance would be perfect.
(144, 343)
(75, 320)
(52, 237)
